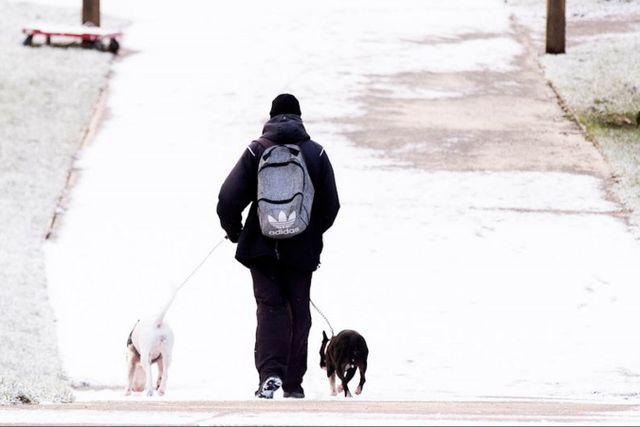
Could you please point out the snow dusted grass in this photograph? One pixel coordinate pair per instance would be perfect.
(622, 148)
(598, 79)
(533, 12)
(46, 100)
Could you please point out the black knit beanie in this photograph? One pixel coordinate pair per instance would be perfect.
(285, 104)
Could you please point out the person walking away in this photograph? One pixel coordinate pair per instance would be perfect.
(289, 182)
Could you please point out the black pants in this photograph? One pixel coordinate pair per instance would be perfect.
(284, 320)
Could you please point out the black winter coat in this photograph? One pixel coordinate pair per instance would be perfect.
(240, 189)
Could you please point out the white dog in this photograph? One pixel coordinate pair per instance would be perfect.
(149, 342)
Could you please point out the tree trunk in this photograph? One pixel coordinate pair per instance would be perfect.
(556, 25)
(91, 12)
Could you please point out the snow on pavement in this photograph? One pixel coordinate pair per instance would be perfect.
(289, 418)
(465, 284)
(345, 412)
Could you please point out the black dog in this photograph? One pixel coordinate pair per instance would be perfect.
(341, 355)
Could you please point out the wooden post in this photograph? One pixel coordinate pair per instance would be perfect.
(556, 25)
(91, 12)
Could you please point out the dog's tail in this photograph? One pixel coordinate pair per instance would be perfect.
(163, 312)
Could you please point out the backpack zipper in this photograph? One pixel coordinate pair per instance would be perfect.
(277, 253)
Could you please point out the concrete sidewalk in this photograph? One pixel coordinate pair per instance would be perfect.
(478, 248)
(484, 120)
(324, 413)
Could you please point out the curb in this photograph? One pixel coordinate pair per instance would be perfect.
(73, 175)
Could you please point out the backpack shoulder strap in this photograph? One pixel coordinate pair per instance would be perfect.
(264, 143)
(261, 145)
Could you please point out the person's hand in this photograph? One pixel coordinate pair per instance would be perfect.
(234, 236)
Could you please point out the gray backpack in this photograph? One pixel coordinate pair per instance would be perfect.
(285, 192)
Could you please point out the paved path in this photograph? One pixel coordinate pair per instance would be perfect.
(325, 413)
(508, 119)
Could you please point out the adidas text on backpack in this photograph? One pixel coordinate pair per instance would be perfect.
(285, 192)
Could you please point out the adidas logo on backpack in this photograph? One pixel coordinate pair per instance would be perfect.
(285, 192)
(283, 221)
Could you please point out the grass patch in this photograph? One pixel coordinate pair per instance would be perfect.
(594, 120)
(618, 136)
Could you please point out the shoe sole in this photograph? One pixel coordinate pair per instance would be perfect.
(269, 387)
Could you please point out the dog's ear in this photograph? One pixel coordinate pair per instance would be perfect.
(324, 336)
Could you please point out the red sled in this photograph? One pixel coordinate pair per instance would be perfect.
(102, 39)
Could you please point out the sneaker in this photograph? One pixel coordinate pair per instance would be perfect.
(294, 394)
(268, 387)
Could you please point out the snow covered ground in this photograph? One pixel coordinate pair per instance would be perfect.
(598, 75)
(598, 72)
(465, 284)
(598, 79)
(46, 100)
